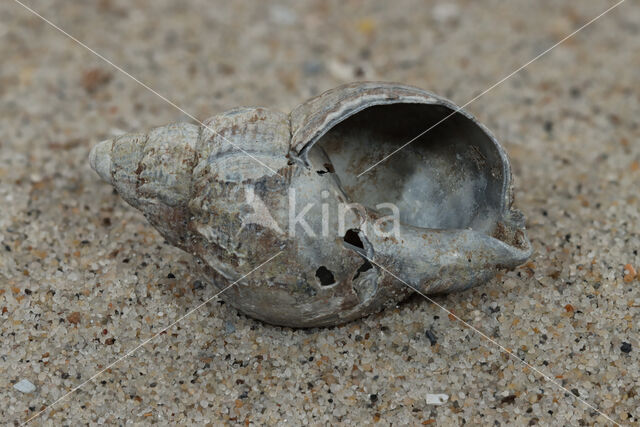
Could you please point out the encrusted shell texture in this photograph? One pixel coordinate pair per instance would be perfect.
(225, 193)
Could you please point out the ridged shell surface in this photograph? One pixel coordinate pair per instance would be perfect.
(226, 191)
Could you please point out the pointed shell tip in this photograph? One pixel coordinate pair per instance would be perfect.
(100, 159)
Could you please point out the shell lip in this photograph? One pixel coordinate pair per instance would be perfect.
(336, 105)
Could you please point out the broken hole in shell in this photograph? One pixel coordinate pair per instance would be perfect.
(352, 239)
(325, 276)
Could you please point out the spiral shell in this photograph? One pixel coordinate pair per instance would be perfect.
(226, 192)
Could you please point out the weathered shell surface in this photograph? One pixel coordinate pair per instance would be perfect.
(223, 193)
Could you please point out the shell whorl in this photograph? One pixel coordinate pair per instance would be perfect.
(160, 166)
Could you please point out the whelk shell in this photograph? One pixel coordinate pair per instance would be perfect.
(225, 193)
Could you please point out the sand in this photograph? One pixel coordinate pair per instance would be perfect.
(84, 279)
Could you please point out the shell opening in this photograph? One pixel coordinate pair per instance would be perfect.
(452, 177)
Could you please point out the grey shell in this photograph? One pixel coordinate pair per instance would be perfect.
(225, 193)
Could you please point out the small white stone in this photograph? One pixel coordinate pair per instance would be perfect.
(25, 386)
(340, 70)
(437, 399)
(446, 12)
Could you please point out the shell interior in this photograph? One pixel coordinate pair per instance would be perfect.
(451, 177)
